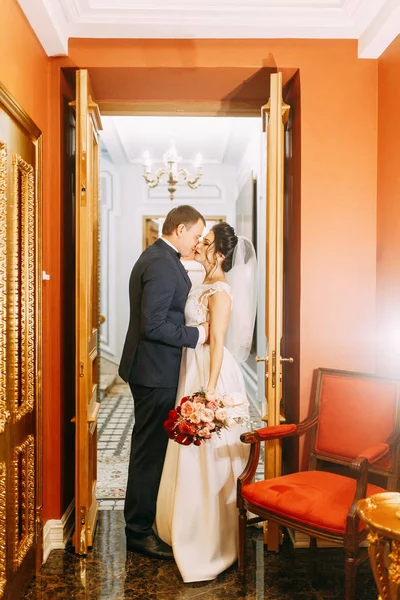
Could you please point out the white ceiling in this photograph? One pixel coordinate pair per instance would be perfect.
(220, 140)
(374, 23)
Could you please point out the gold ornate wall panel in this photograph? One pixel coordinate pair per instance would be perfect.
(3, 279)
(24, 499)
(23, 242)
(3, 521)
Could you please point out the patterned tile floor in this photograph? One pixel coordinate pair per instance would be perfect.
(115, 427)
(115, 421)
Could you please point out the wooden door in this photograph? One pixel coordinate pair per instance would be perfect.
(275, 115)
(87, 312)
(20, 349)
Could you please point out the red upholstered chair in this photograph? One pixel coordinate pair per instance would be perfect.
(354, 441)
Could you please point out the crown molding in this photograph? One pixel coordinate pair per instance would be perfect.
(381, 31)
(375, 23)
(48, 21)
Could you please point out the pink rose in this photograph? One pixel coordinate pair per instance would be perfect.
(197, 399)
(220, 414)
(205, 433)
(195, 418)
(187, 409)
(207, 415)
(212, 405)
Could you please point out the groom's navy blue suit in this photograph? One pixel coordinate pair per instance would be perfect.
(150, 362)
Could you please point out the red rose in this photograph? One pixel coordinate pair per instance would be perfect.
(197, 442)
(184, 440)
(169, 425)
(173, 415)
(185, 427)
(184, 399)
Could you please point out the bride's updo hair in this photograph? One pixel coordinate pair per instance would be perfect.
(225, 243)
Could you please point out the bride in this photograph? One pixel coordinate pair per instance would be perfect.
(196, 505)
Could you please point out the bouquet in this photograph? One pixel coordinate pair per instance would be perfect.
(198, 417)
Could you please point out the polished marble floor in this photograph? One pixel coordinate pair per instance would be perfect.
(108, 573)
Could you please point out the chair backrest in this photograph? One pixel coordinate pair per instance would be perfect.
(355, 412)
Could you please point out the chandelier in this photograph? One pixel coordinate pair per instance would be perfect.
(171, 171)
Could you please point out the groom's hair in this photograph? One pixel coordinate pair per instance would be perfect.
(181, 215)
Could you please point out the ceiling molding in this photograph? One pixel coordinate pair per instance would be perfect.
(375, 23)
(48, 21)
(381, 32)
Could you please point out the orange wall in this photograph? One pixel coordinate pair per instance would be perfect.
(339, 177)
(388, 216)
(339, 180)
(25, 72)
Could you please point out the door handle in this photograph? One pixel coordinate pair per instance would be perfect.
(265, 360)
(261, 359)
(289, 360)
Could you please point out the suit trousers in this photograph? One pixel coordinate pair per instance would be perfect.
(148, 448)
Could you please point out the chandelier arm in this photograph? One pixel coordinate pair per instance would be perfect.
(194, 183)
(152, 183)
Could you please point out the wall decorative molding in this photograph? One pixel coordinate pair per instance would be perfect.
(374, 24)
(204, 193)
(108, 261)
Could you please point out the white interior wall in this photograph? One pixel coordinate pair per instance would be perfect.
(125, 199)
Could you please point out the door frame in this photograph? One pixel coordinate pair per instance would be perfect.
(230, 108)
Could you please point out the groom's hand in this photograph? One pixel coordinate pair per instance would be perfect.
(206, 326)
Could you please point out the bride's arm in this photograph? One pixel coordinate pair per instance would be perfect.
(219, 305)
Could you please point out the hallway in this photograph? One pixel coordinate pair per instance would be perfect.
(109, 574)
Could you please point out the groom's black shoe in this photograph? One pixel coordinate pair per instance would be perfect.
(150, 545)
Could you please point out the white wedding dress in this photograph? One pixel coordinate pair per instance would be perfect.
(196, 505)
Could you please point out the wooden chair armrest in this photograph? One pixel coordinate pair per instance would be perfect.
(375, 453)
(274, 432)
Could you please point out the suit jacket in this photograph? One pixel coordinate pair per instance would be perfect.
(158, 288)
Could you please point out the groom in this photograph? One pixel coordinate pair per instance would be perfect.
(150, 363)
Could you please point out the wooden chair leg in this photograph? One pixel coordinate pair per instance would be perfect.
(350, 574)
(242, 543)
(313, 563)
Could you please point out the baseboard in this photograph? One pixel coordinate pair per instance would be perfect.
(57, 532)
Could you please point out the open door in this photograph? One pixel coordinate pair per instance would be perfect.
(275, 115)
(88, 124)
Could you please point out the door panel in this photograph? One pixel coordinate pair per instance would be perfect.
(275, 114)
(290, 404)
(87, 312)
(20, 348)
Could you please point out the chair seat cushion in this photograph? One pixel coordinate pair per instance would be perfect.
(316, 498)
